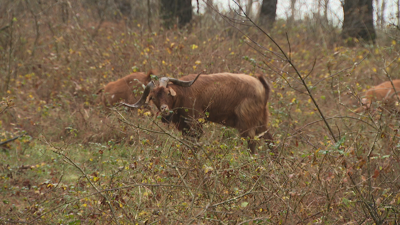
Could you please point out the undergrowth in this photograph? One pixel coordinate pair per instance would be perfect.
(78, 163)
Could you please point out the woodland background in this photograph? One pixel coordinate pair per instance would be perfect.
(71, 161)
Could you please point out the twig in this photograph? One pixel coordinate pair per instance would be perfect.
(10, 52)
(10, 140)
(334, 117)
(58, 151)
(296, 70)
(102, 18)
(237, 197)
(5, 27)
(372, 211)
(339, 72)
(30, 7)
(184, 182)
(104, 190)
(253, 219)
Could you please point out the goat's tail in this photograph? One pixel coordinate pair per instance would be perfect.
(266, 85)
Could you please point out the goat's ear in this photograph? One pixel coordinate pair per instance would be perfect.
(172, 92)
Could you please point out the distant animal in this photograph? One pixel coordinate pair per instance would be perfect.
(127, 89)
(383, 92)
(234, 100)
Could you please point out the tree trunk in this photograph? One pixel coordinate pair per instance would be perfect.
(124, 6)
(358, 20)
(383, 8)
(293, 10)
(185, 12)
(176, 11)
(268, 13)
(398, 12)
(248, 7)
(380, 6)
(326, 4)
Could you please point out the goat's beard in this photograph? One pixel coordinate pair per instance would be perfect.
(167, 119)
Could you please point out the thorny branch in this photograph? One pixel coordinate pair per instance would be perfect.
(287, 58)
(59, 152)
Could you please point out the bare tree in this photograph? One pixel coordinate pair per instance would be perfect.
(398, 12)
(380, 12)
(323, 4)
(326, 4)
(209, 4)
(248, 7)
(383, 8)
(358, 20)
(292, 9)
(124, 6)
(173, 11)
(268, 13)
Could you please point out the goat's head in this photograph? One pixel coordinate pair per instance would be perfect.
(163, 96)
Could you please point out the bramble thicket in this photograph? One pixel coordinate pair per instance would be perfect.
(74, 162)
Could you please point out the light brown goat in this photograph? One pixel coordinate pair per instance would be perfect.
(234, 100)
(127, 89)
(383, 92)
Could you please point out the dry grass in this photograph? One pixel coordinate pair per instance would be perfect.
(79, 164)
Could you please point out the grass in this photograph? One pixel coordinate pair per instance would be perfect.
(80, 164)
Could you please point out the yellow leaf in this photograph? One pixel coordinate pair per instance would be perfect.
(208, 169)
(194, 46)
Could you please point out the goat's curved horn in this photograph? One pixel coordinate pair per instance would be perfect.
(184, 83)
(164, 81)
(142, 99)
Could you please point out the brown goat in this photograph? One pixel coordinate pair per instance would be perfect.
(126, 89)
(234, 100)
(382, 92)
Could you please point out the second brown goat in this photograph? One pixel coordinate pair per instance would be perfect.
(383, 92)
(127, 89)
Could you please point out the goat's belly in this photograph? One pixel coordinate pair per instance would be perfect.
(224, 119)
